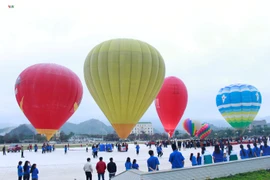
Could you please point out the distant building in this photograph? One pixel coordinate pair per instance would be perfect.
(257, 123)
(57, 134)
(143, 127)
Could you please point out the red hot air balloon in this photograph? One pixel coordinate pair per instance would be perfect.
(171, 103)
(48, 94)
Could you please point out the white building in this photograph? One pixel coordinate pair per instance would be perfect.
(143, 127)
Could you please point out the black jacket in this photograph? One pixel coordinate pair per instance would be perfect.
(111, 167)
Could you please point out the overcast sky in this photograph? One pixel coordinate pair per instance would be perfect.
(207, 44)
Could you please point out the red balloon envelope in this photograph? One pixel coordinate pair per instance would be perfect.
(48, 94)
(171, 103)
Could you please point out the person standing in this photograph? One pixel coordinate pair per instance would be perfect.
(128, 164)
(101, 167)
(152, 162)
(22, 152)
(256, 150)
(4, 150)
(199, 159)
(86, 147)
(265, 149)
(217, 154)
(26, 170)
(34, 171)
(88, 169)
(159, 150)
(176, 158)
(36, 148)
(179, 144)
(243, 152)
(65, 149)
(20, 170)
(193, 160)
(112, 168)
(137, 149)
(94, 151)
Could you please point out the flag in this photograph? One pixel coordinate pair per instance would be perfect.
(10, 6)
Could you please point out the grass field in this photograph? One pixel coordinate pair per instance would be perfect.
(257, 175)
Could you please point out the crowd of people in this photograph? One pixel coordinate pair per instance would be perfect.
(223, 151)
(25, 171)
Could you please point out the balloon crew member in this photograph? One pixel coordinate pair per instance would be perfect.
(65, 149)
(256, 150)
(34, 171)
(199, 159)
(176, 158)
(36, 148)
(152, 162)
(137, 149)
(135, 165)
(249, 150)
(243, 152)
(265, 149)
(217, 154)
(20, 170)
(159, 150)
(26, 170)
(94, 149)
(193, 159)
(112, 168)
(128, 164)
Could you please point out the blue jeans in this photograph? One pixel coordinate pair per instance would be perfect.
(101, 175)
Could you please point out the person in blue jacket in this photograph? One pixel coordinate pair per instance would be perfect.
(36, 148)
(135, 165)
(26, 170)
(94, 151)
(20, 170)
(265, 149)
(128, 164)
(217, 154)
(152, 162)
(250, 152)
(34, 172)
(193, 159)
(199, 159)
(65, 148)
(256, 151)
(137, 149)
(243, 152)
(176, 158)
(159, 150)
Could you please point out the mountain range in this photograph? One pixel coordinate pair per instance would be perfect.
(95, 126)
(92, 126)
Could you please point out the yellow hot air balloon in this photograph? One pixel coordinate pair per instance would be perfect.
(124, 76)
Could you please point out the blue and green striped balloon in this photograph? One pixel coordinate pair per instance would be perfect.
(239, 104)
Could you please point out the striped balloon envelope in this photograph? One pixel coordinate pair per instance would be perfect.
(239, 104)
(191, 126)
(204, 131)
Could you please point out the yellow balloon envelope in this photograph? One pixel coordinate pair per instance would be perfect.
(124, 76)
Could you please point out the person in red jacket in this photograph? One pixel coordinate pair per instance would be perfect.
(101, 167)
